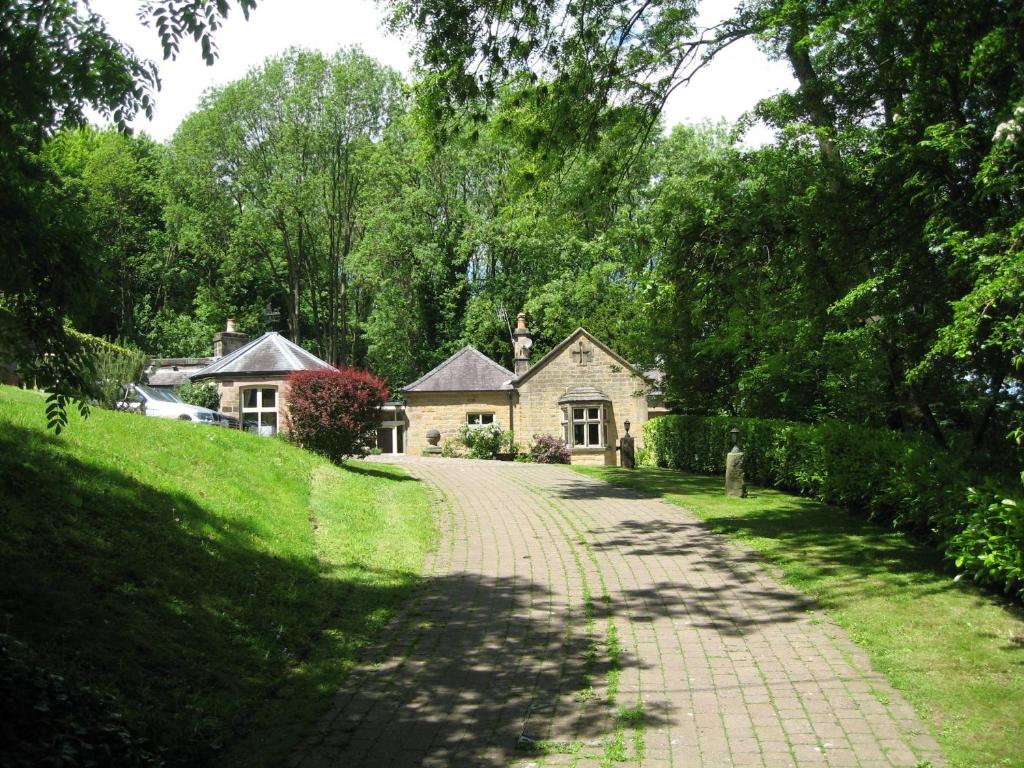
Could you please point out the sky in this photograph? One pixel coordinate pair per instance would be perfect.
(731, 85)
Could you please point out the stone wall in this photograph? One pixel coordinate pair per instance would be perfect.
(446, 412)
(537, 410)
(591, 458)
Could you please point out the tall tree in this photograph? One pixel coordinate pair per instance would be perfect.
(899, 101)
(56, 59)
(120, 177)
(419, 209)
(282, 155)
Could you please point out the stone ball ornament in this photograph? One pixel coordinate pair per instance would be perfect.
(433, 436)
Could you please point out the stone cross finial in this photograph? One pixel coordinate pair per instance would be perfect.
(582, 354)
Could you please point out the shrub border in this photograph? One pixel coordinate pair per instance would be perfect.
(893, 478)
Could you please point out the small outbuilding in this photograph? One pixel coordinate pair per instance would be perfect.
(251, 379)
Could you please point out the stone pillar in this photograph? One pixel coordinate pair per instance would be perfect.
(627, 449)
(735, 482)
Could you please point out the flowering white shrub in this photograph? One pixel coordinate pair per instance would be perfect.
(1010, 130)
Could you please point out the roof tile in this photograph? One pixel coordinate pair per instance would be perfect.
(270, 353)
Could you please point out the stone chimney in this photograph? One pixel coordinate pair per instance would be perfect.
(521, 343)
(227, 341)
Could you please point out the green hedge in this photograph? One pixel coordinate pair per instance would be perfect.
(205, 394)
(111, 366)
(900, 480)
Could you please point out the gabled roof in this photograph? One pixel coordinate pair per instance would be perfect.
(468, 370)
(569, 340)
(270, 353)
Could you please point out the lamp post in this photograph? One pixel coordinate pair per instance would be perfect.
(735, 432)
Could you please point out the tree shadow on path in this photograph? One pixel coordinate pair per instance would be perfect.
(477, 670)
(717, 585)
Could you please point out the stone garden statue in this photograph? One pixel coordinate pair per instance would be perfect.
(627, 451)
(735, 481)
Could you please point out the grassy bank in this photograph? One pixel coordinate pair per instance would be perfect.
(955, 652)
(216, 585)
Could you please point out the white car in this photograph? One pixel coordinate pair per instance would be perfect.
(164, 404)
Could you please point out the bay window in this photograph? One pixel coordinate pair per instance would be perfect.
(583, 425)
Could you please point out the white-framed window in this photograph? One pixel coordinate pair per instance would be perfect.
(583, 426)
(259, 410)
(479, 418)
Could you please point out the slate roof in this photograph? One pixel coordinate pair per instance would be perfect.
(656, 377)
(468, 370)
(171, 372)
(270, 353)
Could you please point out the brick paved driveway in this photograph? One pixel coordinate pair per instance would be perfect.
(568, 622)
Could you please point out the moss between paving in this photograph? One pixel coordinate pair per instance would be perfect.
(956, 652)
(216, 584)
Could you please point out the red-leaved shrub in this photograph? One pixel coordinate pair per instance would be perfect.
(334, 411)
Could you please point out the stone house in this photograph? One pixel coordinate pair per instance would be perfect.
(250, 375)
(251, 379)
(581, 391)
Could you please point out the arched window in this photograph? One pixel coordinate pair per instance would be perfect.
(259, 410)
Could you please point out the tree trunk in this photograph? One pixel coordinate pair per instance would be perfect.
(930, 424)
(294, 287)
(813, 91)
(908, 392)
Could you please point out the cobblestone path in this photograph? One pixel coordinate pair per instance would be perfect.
(568, 622)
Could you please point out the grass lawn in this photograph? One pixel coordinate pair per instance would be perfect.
(216, 584)
(955, 652)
